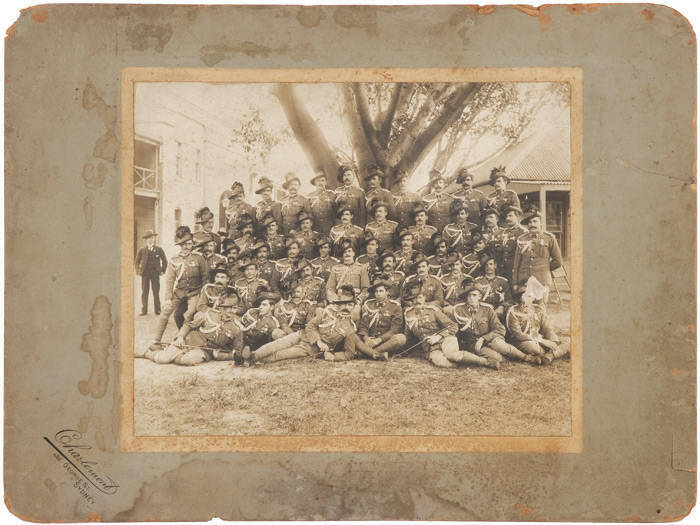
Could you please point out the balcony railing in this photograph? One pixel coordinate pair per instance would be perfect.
(145, 179)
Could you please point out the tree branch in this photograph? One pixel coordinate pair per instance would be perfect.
(368, 127)
(385, 128)
(361, 147)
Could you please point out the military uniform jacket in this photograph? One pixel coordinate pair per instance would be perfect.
(225, 335)
(214, 261)
(268, 271)
(235, 209)
(185, 276)
(495, 291)
(474, 201)
(381, 319)
(257, 329)
(209, 294)
(383, 195)
(438, 207)
(384, 232)
(494, 240)
(314, 290)
(397, 278)
(323, 266)
(329, 326)
(354, 198)
(527, 324)
(509, 242)
(151, 261)
(322, 210)
(244, 244)
(458, 236)
(287, 269)
(499, 200)
(350, 231)
(422, 238)
(370, 262)
(234, 273)
(471, 263)
(536, 254)
(404, 203)
(272, 207)
(354, 275)
(426, 320)
(291, 206)
(277, 246)
(477, 322)
(404, 259)
(436, 264)
(307, 242)
(294, 316)
(247, 290)
(431, 288)
(452, 287)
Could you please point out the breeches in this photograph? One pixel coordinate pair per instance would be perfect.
(447, 353)
(277, 349)
(191, 302)
(391, 345)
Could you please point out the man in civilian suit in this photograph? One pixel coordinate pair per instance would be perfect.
(150, 265)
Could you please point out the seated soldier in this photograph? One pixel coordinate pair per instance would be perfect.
(481, 332)
(436, 333)
(329, 329)
(218, 281)
(314, 288)
(345, 230)
(386, 263)
(422, 232)
(295, 312)
(529, 328)
(305, 236)
(404, 256)
(495, 289)
(453, 283)
(273, 238)
(267, 269)
(212, 334)
(437, 262)
(369, 258)
(324, 262)
(431, 287)
(248, 285)
(471, 262)
(258, 324)
(381, 228)
(381, 321)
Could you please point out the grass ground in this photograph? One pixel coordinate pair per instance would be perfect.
(313, 397)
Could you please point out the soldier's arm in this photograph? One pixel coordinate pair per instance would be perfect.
(447, 324)
(364, 281)
(363, 325)
(164, 260)
(439, 298)
(284, 325)
(555, 253)
(169, 282)
(311, 330)
(496, 329)
(194, 324)
(396, 324)
(331, 286)
(514, 328)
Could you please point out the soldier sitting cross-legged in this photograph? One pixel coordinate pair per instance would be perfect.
(381, 321)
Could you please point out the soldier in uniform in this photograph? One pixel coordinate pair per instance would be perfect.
(272, 237)
(248, 285)
(293, 203)
(381, 321)
(422, 232)
(512, 229)
(350, 196)
(437, 262)
(246, 239)
(266, 206)
(404, 201)
(404, 256)
(453, 283)
(348, 273)
(369, 258)
(151, 263)
(537, 253)
(458, 233)
(236, 207)
(204, 222)
(345, 230)
(185, 276)
(306, 236)
(314, 288)
(387, 263)
(471, 262)
(258, 324)
(481, 332)
(430, 286)
(295, 312)
(229, 249)
(205, 245)
(212, 334)
(288, 266)
(438, 202)
(267, 269)
(473, 200)
(322, 201)
(501, 196)
(436, 333)
(495, 290)
(375, 192)
(529, 328)
(381, 228)
(218, 282)
(324, 263)
(492, 233)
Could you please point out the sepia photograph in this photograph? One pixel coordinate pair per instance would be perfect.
(352, 258)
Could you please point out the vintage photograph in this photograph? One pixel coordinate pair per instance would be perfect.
(352, 258)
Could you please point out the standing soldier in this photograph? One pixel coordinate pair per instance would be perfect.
(324, 263)
(473, 200)
(387, 263)
(495, 289)
(351, 196)
(374, 190)
(348, 273)
(438, 202)
(458, 233)
(266, 206)
(248, 286)
(404, 255)
(272, 237)
(537, 253)
(236, 207)
(313, 287)
(436, 333)
(293, 203)
(404, 200)
(151, 263)
(345, 230)
(305, 235)
(185, 276)
(267, 269)
(422, 232)
(204, 222)
(381, 228)
(491, 232)
(381, 321)
(501, 197)
(430, 286)
(512, 229)
(321, 202)
(481, 332)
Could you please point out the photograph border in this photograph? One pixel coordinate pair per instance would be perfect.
(347, 443)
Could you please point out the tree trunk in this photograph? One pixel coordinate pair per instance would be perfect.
(361, 148)
(307, 133)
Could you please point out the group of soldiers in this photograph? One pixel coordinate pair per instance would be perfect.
(459, 276)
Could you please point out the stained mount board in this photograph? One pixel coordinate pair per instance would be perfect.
(65, 321)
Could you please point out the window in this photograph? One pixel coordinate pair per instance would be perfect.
(146, 177)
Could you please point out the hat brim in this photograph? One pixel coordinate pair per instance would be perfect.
(287, 183)
(150, 236)
(314, 179)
